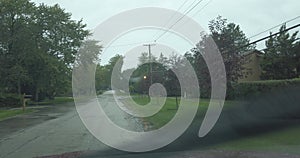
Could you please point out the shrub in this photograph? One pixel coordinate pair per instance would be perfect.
(256, 88)
(9, 100)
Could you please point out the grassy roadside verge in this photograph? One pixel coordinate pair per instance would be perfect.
(282, 141)
(285, 140)
(4, 114)
(57, 100)
(167, 112)
(7, 113)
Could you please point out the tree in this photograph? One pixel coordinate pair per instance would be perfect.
(202, 72)
(144, 58)
(86, 61)
(281, 58)
(88, 53)
(231, 42)
(141, 85)
(59, 37)
(104, 75)
(172, 83)
(102, 79)
(37, 47)
(115, 66)
(297, 58)
(162, 59)
(15, 41)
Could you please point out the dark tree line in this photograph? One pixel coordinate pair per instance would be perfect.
(281, 59)
(38, 44)
(231, 42)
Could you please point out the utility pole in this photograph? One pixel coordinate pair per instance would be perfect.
(150, 61)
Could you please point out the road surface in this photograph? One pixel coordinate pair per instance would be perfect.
(55, 131)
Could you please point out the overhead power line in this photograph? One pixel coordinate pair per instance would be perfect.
(275, 27)
(138, 43)
(191, 5)
(270, 36)
(181, 6)
(178, 20)
(202, 8)
(277, 45)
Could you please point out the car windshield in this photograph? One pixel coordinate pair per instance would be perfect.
(166, 79)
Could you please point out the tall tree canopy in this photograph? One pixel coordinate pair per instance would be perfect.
(281, 58)
(231, 42)
(38, 44)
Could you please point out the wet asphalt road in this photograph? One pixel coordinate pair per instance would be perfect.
(54, 130)
(41, 115)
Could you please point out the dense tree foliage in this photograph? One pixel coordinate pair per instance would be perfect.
(281, 61)
(104, 73)
(281, 58)
(38, 44)
(231, 42)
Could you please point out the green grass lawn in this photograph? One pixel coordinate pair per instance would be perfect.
(167, 112)
(141, 100)
(284, 141)
(4, 114)
(165, 115)
(57, 100)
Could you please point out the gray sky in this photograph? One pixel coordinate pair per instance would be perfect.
(253, 16)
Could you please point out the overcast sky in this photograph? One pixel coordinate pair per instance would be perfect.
(253, 16)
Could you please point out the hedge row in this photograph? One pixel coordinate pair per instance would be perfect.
(256, 88)
(9, 100)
